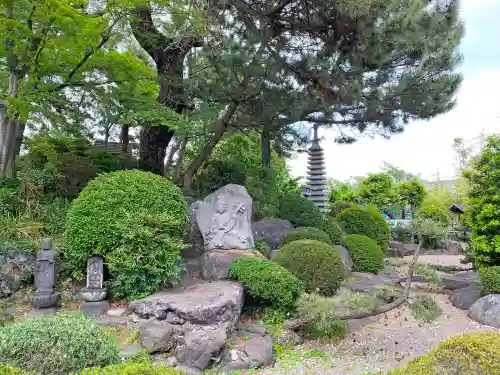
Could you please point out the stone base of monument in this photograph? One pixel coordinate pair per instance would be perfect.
(42, 312)
(94, 308)
(215, 263)
(45, 300)
(93, 294)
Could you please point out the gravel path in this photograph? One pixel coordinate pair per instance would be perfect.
(394, 340)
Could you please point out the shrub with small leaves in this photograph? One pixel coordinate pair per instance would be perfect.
(267, 283)
(298, 210)
(132, 368)
(56, 345)
(339, 206)
(7, 370)
(365, 253)
(490, 280)
(367, 222)
(306, 233)
(435, 213)
(330, 226)
(316, 263)
(262, 247)
(425, 308)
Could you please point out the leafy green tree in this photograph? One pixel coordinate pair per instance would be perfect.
(342, 191)
(484, 183)
(412, 193)
(378, 189)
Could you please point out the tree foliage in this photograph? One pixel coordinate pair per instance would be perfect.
(412, 193)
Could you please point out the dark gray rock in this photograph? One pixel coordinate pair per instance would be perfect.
(250, 351)
(288, 338)
(354, 325)
(258, 330)
(131, 351)
(486, 310)
(9, 311)
(452, 282)
(452, 247)
(201, 344)
(396, 249)
(208, 303)
(157, 336)
(189, 370)
(272, 231)
(215, 263)
(111, 321)
(193, 236)
(16, 267)
(464, 298)
(94, 308)
(346, 258)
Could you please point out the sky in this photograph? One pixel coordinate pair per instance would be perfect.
(425, 147)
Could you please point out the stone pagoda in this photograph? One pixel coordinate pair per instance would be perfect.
(316, 173)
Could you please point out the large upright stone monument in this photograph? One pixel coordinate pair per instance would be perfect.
(94, 293)
(224, 219)
(316, 173)
(45, 279)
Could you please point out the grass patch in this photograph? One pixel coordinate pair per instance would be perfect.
(425, 308)
(316, 353)
(124, 335)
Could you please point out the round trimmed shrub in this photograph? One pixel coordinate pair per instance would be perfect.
(57, 345)
(267, 283)
(467, 354)
(365, 253)
(306, 233)
(435, 213)
(368, 222)
(490, 280)
(330, 226)
(133, 368)
(136, 221)
(298, 210)
(338, 206)
(316, 263)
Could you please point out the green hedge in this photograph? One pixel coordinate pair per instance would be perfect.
(330, 226)
(298, 210)
(435, 213)
(365, 253)
(267, 283)
(133, 368)
(338, 206)
(490, 280)
(56, 345)
(368, 222)
(306, 233)
(135, 220)
(316, 263)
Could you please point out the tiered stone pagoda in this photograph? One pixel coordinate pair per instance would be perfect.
(316, 173)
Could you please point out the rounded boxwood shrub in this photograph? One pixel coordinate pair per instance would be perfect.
(467, 354)
(368, 222)
(306, 233)
(316, 263)
(330, 226)
(298, 210)
(56, 345)
(490, 280)
(365, 253)
(267, 283)
(133, 368)
(338, 206)
(135, 220)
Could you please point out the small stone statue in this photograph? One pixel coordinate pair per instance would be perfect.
(45, 278)
(94, 293)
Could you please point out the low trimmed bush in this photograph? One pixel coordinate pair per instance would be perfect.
(338, 206)
(298, 210)
(368, 222)
(306, 233)
(136, 221)
(316, 263)
(490, 280)
(133, 368)
(365, 253)
(56, 345)
(330, 226)
(468, 354)
(267, 283)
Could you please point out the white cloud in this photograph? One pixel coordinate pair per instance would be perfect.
(424, 147)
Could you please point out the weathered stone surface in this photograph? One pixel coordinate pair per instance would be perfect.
(157, 336)
(452, 282)
(396, 249)
(200, 344)
(250, 351)
(193, 235)
(117, 311)
(346, 258)
(464, 298)
(189, 370)
(486, 310)
(208, 303)
(287, 337)
(452, 247)
(215, 263)
(111, 321)
(16, 266)
(94, 308)
(354, 325)
(224, 219)
(131, 351)
(272, 231)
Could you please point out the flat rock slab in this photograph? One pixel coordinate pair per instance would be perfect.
(370, 286)
(111, 321)
(454, 282)
(42, 312)
(94, 308)
(210, 303)
(272, 231)
(486, 311)
(464, 298)
(131, 351)
(215, 263)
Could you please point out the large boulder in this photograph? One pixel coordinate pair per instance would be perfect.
(486, 310)
(454, 282)
(272, 231)
(452, 247)
(396, 249)
(193, 236)
(346, 259)
(224, 219)
(464, 298)
(215, 263)
(16, 267)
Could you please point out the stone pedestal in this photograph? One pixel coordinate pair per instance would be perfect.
(94, 308)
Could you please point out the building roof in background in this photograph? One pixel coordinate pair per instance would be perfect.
(459, 208)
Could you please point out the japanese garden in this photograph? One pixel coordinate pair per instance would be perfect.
(151, 224)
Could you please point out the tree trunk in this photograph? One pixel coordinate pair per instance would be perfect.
(265, 146)
(106, 139)
(206, 151)
(180, 160)
(19, 138)
(169, 55)
(170, 157)
(8, 127)
(124, 138)
(295, 324)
